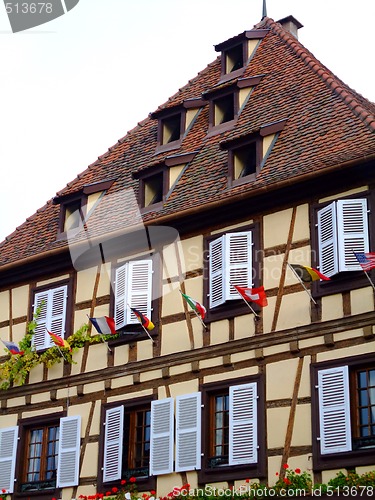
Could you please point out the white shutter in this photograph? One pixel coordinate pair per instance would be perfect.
(120, 296)
(69, 450)
(57, 313)
(161, 445)
(216, 272)
(8, 448)
(139, 286)
(238, 262)
(188, 432)
(40, 340)
(334, 410)
(113, 439)
(243, 440)
(327, 240)
(352, 231)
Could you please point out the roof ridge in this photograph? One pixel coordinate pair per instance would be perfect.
(350, 97)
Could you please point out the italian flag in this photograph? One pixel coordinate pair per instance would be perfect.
(195, 305)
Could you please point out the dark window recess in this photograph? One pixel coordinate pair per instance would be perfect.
(219, 437)
(136, 447)
(224, 109)
(40, 458)
(171, 129)
(153, 187)
(234, 58)
(245, 160)
(364, 419)
(73, 215)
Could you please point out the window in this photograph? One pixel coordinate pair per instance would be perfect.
(230, 261)
(171, 129)
(153, 186)
(344, 409)
(53, 304)
(46, 457)
(342, 230)
(139, 439)
(224, 109)
(234, 58)
(233, 433)
(133, 288)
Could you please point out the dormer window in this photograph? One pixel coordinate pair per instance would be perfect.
(224, 109)
(153, 186)
(153, 189)
(73, 216)
(171, 129)
(245, 160)
(234, 58)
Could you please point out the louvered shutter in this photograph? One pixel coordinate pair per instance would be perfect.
(327, 240)
(238, 262)
(120, 296)
(69, 451)
(113, 439)
(243, 440)
(161, 445)
(352, 231)
(8, 448)
(216, 272)
(40, 340)
(57, 312)
(334, 410)
(139, 286)
(188, 432)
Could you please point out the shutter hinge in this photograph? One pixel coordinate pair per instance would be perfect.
(316, 225)
(202, 454)
(317, 387)
(318, 438)
(202, 406)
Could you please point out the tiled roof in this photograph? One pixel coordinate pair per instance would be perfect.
(327, 124)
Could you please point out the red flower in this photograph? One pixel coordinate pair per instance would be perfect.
(52, 498)
(132, 479)
(153, 492)
(287, 481)
(277, 473)
(108, 494)
(114, 489)
(4, 491)
(247, 480)
(123, 481)
(285, 466)
(298, 471)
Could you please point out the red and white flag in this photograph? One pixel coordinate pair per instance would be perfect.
(257, 295)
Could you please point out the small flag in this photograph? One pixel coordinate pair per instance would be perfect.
(307, 274)
(366, 260)
(104, 325)
(145, 322)
(196, 306)
(60, 342)
(257, 295)
(12, 347)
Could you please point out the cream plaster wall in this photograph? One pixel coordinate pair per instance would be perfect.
(151, 375)
(145, 349)
(177, 370)
(332, 307)
(174, 172)
(239, 226)
(242, 356)
(94, 387)
(190, 115)
(18, 332)
(268, 313)
(210, 362)
(77, 358)
(348, 351)
(40, 398)
(344, 193)
(95, 424)
(20, 301)
(219, 332)
(125, 381)
(182, 388)
(277, 225)
(175, 338)
(172, 301)
(219, 377)
(97, 358)
(347, 335)
(280, 379)
(56, 371)
(36, 374)
(90, 460)
(12, 402)
(362, 300)
(275, 349)
(251, 46)
(330, 474)
(8, 420)
(243, 95)
(4, 334)
(121, 354)
(67, 393)
(39, 413)
(80, 319)
(364, 469)
(85, 284)
(266, 143)
(92, 199)
(304, 388)
(302, 426)
(129, 396)
(294, 310)
(273, 267)
(52, 280)
(4, 306)
(277, 422)
(316, 341)
(244, 326)
(192, 251)
(83, 410)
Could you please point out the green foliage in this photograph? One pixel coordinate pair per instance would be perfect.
(14, 371)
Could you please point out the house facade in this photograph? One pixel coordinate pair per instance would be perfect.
(264, 160)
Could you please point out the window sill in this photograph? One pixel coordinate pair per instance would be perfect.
(223, 127)
(170, 146)
(231, 472)
(131, 334)
(229, 310)
(341, 282)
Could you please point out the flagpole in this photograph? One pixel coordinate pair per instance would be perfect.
(58, 347)
(302, 283)
(102, 337)
(246, 302)
(197, 315)
(145, 329)
(366, 273)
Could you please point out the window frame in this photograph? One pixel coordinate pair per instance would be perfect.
(236, 181)
(347, 280)
(233, 472)
(144, 177)
(134, 332)
(132, 405)
(231, 308)
(346, 459)
(164, 117)
(214, 127)
(69, 283)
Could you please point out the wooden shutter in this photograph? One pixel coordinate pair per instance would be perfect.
(352, 231)
(216, 272)
(113, 439)
(120, 296)
(327, 240)
(69, 451)
(334, 410)
(238, 262)
(188, 432)
(139, 286)
(52, 315)
(8, 448)
(40, 340)
(161, 445)
(243, 439)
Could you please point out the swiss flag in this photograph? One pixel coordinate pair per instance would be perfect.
(257, 295)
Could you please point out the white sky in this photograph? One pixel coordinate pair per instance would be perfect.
(69, 89)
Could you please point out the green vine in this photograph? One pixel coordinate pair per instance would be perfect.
(14, 371)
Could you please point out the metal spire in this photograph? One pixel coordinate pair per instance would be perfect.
(264, 13)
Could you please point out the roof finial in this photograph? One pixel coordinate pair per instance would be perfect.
(264, 13)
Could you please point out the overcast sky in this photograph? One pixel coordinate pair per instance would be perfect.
(69, 89)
